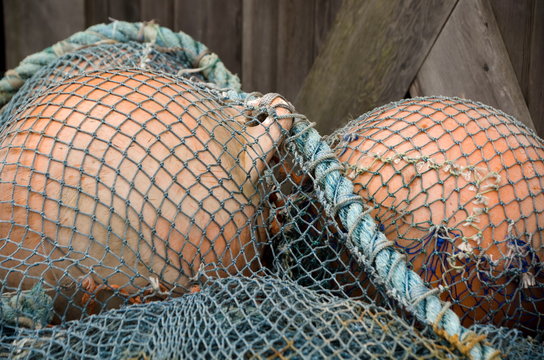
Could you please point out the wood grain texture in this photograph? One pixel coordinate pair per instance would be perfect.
(126, 10)
(3, 40)
(101, 11)
(31, 26)
(535, 93)
(260, 41)
(470, 60)
(96, 12)
(281, 40)
(370, 57)
(515, 20)
(325, 14)
(295, 50)
(162, 11)
(521, 24)
(216, 23)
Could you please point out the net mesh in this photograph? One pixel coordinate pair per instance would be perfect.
(457, 186)
(132, 54)
(148, 214)
(238, 318)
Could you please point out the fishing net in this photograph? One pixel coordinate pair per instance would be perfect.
(457, 186)
(150, 209)
(132, 54)
(238, 318)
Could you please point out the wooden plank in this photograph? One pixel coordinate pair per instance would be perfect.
(535, 93)
(126, 10)
(515, 20)
(370, 57)
(162, 11)
(2, 38)
(281, 40)
(325, 14)
(96, 12)
(260, 39)
(470, 60)
(31, 26)
(296, 41)
(217, 24)
(300, 36)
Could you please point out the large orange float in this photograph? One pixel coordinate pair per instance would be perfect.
(119, 180)
(459, 188)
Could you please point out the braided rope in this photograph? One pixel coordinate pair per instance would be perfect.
(119, 31)
(371, 246)
(364, 240)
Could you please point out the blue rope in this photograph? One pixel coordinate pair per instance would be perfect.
(371, 246)
(211, 67)
(364, 240)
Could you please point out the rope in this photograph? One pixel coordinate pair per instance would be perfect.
(119, 31)
(404, 284)
(389, 264)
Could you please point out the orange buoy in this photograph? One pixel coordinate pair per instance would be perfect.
(459, 188)
(120, 177)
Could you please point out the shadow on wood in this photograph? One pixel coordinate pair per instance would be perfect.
(371, 57)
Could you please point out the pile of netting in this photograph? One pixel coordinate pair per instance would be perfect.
(150, 209)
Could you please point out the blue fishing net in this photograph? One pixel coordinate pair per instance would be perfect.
(150, 209)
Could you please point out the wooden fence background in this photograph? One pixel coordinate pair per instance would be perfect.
(335, 59)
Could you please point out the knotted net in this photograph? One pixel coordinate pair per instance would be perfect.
(149, 209)
(457, 186)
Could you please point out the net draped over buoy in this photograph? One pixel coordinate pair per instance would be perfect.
(458, 187)
(149, 208)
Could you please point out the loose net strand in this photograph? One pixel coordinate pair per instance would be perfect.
(150, 209)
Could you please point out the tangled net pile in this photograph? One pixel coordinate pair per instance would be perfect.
(150, 209)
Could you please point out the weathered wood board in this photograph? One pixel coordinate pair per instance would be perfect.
(522, 28)
(260, 33)
(96, 12)
(470, 60)
(217, 24)
(514, 19)
(126, 10)
(325, 15)
(272, 44)
(31, 26)
(295, 50)
(535, 93)
(162, 11)
(370, 57)
(2, 36)
(281, 40)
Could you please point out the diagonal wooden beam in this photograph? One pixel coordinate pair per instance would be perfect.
(371, 57)
(470, 60)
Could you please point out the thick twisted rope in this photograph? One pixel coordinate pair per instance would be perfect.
(202, 59)
(371, 246)
(364, 240)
